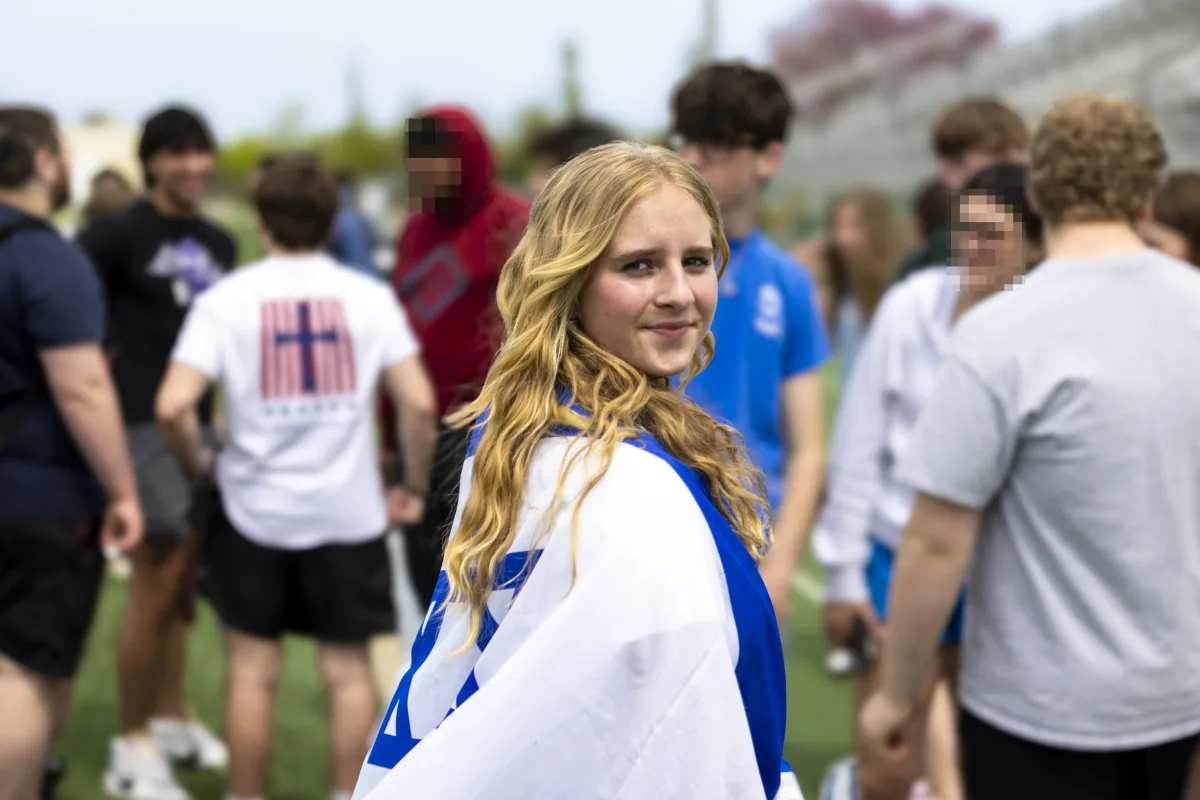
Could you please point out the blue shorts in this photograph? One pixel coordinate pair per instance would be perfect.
(879, 580)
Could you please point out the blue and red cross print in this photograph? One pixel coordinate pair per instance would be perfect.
(307, 350)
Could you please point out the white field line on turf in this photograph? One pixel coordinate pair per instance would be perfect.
(808, 587)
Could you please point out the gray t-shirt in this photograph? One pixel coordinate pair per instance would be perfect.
(1068, 409)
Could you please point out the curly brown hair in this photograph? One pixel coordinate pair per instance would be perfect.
(1095, 158)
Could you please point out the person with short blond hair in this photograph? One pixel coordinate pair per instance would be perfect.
(1058, 462)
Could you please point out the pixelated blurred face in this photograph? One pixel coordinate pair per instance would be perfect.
(432, 147)
(1165, 239)
(734, 173)
(431, 179)
(849, 233)
(652, 294)
(183, 175)
(989, 245)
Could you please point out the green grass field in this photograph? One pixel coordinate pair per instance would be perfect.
(818, 706)
(818, 715)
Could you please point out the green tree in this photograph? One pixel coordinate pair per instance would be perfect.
(357, 146)
(237, 159)
(359, 149)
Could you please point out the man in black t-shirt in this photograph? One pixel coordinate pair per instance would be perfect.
(154, 258)
(64, 464)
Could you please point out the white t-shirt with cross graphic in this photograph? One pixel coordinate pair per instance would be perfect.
(298, 344)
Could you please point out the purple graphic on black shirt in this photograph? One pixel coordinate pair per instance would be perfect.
(190, 263)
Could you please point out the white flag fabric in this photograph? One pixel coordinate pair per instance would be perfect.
(656, 673)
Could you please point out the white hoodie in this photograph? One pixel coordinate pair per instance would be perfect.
(892, 376)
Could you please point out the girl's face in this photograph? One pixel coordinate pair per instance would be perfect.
(989, 245)
(849, 232)
(652, 295)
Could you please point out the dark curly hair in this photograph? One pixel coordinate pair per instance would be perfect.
(731, 104)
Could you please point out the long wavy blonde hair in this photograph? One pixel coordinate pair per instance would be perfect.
(546, 353)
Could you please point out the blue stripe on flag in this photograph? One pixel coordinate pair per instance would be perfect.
(388, 749)
(469, 688)
(760, 672)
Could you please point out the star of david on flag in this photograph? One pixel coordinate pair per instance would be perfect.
(396, 737)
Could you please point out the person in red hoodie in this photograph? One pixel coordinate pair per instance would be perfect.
(449, 255)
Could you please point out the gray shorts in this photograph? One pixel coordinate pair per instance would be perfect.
(166, 493)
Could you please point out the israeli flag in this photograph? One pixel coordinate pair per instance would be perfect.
(656, 673)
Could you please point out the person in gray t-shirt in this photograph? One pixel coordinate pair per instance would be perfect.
(1059, 460)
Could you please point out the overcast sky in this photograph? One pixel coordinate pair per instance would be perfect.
(244, 60)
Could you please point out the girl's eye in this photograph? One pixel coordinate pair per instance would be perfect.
(640, 266)
(697, 262)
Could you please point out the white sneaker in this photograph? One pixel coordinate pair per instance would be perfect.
(841, 781)
(137, 770)
(789, 787)
(120, 567)
(189, 743)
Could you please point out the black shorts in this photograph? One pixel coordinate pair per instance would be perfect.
(425, 542)
(1000, 766)
(50, 576)
(337, 593)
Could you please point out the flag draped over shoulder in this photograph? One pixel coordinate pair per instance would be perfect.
(657, 673)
